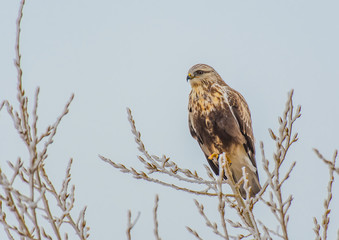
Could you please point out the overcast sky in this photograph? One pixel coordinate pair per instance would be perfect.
(133, 53)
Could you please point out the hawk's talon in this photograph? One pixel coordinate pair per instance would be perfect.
(228, 160)
(214, 155)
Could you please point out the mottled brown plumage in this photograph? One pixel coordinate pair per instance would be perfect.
(220, 120)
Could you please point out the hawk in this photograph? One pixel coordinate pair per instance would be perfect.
(220, 120)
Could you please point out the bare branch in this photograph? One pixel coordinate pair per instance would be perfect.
(131, 224)
(155, 218)
(194, 233)
(325, 217)
(209, 224)
(221, 207)
(284, 140)
(144, 176)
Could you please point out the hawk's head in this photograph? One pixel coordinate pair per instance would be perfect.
(202, 74)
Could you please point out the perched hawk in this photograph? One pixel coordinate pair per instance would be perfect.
(220, 120)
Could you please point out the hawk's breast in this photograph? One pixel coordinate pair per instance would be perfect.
(212, 121)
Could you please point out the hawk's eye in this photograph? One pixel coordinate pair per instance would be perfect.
(199, 72)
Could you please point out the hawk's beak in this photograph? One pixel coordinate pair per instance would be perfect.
(189, 77)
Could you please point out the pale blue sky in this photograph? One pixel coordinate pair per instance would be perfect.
(114, 54)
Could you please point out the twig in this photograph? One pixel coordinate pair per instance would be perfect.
(194, 233)
(208, 222)
(221, 206)
(155, 218)
(325, 217)
(131, 224)
(144, 176)
(284, 141)
(241, 207)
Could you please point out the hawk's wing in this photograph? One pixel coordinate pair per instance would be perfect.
(242, 113)
(196, 135)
